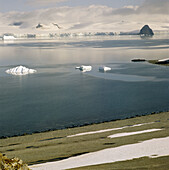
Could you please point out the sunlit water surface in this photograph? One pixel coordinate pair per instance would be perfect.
(60, 96)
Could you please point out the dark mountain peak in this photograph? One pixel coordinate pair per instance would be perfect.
(39, 26)
(146, 31)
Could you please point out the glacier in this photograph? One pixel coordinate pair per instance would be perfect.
(8, 37)
(20, 70)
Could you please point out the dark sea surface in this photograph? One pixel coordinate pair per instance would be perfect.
(59, 96)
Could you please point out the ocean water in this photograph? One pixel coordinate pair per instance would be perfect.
(59, 96)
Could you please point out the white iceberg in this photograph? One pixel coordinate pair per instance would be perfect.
(104, 68)
(20, 70)
(85, 68)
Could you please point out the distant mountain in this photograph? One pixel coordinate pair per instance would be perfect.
(50, 26)
(146, 31)
(82, 34)
(135, 32)
(39, 26)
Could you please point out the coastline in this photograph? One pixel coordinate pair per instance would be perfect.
(80, 125)
(156, 62)
(56, 145)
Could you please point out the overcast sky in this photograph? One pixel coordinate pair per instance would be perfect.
(29, 5)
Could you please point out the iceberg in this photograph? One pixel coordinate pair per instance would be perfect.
(104, 68)
(85, 68)
(20, 70)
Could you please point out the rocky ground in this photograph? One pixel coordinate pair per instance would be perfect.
(12, 164)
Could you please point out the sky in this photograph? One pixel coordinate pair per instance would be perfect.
(30, 5)
(57, 16)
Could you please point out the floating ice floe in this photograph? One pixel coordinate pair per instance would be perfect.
(84, 68)
(20, 70)
(104, 68)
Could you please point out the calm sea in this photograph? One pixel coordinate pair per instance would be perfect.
(59, 96)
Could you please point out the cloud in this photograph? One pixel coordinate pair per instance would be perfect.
(91, 18)
(148, 7)
(44, 2)
(154, 7)
(126, 10)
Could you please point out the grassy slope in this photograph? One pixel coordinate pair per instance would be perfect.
(52, 146)
(144, 163)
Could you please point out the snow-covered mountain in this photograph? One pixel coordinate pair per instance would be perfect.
(51, 26)
(94, 18)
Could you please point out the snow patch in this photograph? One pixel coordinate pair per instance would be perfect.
(159, 147)
(8, 37)
(133, 133)
(107, 130)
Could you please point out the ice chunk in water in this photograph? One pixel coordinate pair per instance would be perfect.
(20, 70)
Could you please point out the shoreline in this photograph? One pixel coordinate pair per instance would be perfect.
(56, 145)
(81, 125)
(156, 63)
